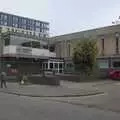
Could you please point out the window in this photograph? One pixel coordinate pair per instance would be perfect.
(103, 64)
(40, 29)
(37, 29)
(35, 44)
(60, 65)
(37, 23)
(15, 25)
(51, 65)
(117, 44)
(45, 46)
(59, 50)
(5, 17)
(68, 49)
(116, 64)
(69, 65)
(5, 23)
(60, 71)
(45, 65)
(23, 26)
(102, 46)
(56, 65)
(2, 17)
(1, 22)
(52, 48)
(23, 21)
(15, 19)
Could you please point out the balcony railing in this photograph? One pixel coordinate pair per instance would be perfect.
(19, 51)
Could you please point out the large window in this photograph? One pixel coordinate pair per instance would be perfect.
(23, 21)
(102, 46)
(20, 41)
(51, 65)
(3, 19)
(37, 23)
(117, 43)
(35, 44)
(68, 49)
(103, 64)
(15, 22)
(116, 64)
(37, 29)
(60, 65)
(56, 65)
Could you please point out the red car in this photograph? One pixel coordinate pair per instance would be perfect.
(114, 73)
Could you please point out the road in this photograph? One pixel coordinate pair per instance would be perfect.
(27, 108)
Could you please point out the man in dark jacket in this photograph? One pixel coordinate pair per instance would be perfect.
(3, 80)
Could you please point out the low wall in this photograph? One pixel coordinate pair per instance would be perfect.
(77, 77)
(47, 80)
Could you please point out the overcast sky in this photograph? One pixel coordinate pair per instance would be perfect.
(66, 16)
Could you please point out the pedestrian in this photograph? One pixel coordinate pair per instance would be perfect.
(3, 80)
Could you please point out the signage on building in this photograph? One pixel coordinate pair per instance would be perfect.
(23, 50)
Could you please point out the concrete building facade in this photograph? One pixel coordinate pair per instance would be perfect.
(108, 43)
(24, 45)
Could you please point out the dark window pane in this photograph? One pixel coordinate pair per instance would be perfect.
(51, 65)
(60, 65)
(56, 65)
(116, 64)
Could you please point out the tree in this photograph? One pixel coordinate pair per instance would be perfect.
(4, 40)
(84, 55)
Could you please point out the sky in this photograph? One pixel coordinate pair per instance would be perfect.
(66, 16)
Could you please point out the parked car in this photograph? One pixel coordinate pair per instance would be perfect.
(114, 73)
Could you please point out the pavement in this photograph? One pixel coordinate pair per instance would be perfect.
(104, 106)
(66, 89)
(108, 101)
(33, 108)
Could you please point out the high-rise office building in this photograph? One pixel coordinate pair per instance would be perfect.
(24, 25)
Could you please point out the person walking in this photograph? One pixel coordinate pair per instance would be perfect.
(3, 80)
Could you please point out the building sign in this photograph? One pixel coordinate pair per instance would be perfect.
(24, 50)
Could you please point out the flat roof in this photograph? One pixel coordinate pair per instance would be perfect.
(85, 33)
(23, 17)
